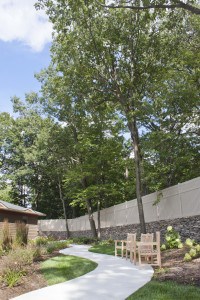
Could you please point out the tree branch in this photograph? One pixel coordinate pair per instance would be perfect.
(179, 4)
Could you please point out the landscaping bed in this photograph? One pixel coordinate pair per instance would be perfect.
(33, 279)
(173, 269)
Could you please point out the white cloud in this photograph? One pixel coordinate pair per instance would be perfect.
(20, 21)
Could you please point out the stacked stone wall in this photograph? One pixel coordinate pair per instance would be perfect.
(187, 227)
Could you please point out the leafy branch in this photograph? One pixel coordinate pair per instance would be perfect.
(176, 4)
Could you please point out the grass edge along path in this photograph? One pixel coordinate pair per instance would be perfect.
(103, 248)
(166, 290)
(155, 290)
(65, 267)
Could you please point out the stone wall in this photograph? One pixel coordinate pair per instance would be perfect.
(187, 227)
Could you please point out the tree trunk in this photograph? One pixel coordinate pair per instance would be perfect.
(99, 219)
(132, 125)
(64, 209)
(91, 219)
(89, 209)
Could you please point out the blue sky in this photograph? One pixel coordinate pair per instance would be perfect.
(25, 39)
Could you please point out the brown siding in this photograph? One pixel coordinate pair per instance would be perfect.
(32, 230)
(13, 217)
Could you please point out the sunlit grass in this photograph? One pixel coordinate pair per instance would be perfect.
(103, 249)
(167, 290)
(63, 268)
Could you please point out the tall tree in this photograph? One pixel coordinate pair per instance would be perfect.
(95, 133)
(113, 56)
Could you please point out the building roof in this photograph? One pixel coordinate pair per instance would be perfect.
(15, 208)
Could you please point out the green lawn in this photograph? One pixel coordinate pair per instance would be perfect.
(63, 267)
(168, 290)
(103, 249)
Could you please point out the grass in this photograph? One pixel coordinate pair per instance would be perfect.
(168, 290)
(63, 268)
(103, 249)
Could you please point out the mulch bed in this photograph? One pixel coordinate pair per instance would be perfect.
(173, 268)
(32, 281)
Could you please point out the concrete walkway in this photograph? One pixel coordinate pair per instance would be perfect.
(114, 278)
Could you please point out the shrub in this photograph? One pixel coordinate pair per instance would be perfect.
(172, 239)
(36, 251)
(110, 241)
(56, 245)
(163, 247)
(13, 266)
(106, 242)
(194, 250)
(187, 257)
(17, 259)
(180, 246)
(84, 240)
(189, 242)
(197, 247)
(21, 234)
(50, 247)
(41, 241)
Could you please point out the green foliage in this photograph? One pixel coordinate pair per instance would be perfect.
(41, 241)
(163, 247)
(197, 247)
(189, 242)
(50, 248)
(93, 92)
(56, 245)
(187, 257)
(5, 192)
(172, 239)
(194, 251)
(84, 240)
(12, 277)
(48, 245)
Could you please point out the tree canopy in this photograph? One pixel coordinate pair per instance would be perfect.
(112, 72)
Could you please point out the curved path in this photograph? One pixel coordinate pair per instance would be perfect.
(114, 278)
